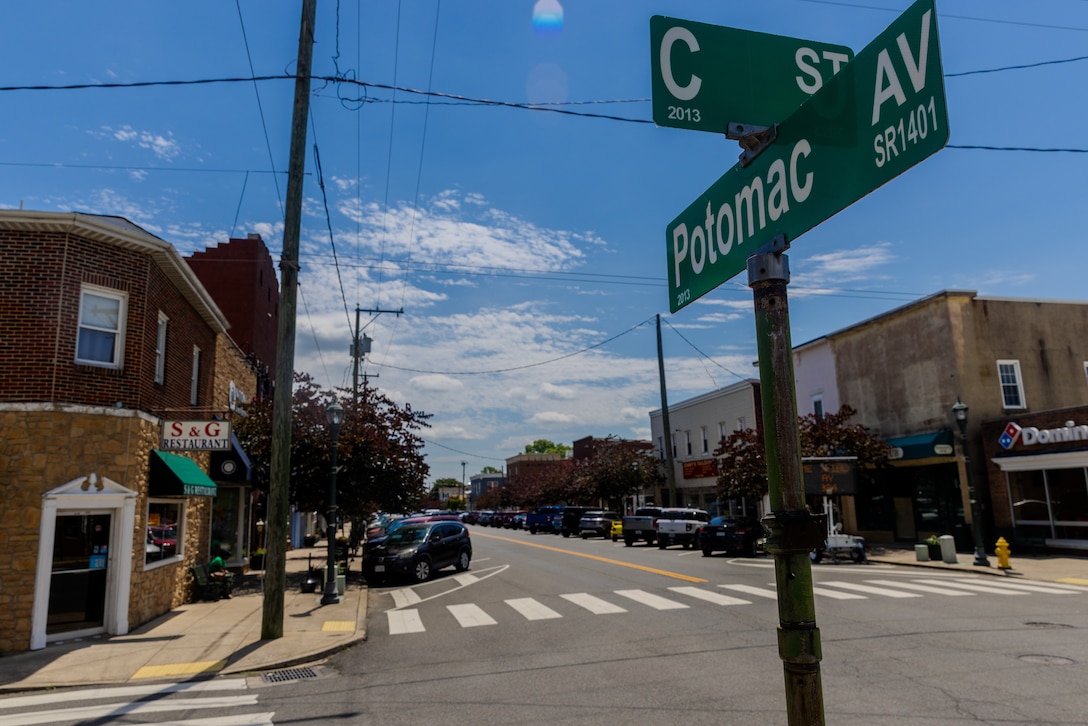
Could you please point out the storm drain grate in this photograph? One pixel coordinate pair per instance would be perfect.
(290, 674)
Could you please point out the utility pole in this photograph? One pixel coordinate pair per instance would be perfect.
(361, 346)
(666, 441)
(793, 530)
(280, 465)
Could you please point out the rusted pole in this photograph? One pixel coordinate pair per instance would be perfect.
(793, 530)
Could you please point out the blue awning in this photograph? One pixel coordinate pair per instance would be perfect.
(921, 446)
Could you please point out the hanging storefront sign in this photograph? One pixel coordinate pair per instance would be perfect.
(196, 436)
(1032, 436)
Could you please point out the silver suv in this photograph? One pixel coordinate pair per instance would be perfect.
(598, 523)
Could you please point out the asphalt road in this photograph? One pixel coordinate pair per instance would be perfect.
(546, 630)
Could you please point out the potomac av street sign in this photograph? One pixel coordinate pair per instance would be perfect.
(878, 116)
(707, 76)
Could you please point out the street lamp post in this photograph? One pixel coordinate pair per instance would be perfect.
(464, 496)
(959, 410)
(334, 414)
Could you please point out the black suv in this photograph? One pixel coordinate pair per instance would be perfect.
(571, 517)
(418, 551)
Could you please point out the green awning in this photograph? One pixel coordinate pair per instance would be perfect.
(177, 476)
(921, 446)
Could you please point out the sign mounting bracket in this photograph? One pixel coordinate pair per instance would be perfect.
(753, 139)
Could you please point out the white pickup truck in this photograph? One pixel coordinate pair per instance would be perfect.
(680, 526)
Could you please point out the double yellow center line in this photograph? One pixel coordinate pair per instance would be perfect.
(652, 570)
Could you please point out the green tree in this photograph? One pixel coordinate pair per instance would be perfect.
(379, 459)
(544, 446)
(617, 469)
(742, 467)
(490, 470)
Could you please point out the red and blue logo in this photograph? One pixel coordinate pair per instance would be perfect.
(1009, 435)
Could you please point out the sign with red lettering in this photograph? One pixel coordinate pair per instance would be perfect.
(195, 436)
(700, 469)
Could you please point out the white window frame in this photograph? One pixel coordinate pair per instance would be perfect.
(1086, 370)
(194, 384)
(179, 553)
(706, 441)
(818, 406)
(742, 423)
(160, 348)
(1015, 365)
(687, 442)
(119, 333)
(722, 433)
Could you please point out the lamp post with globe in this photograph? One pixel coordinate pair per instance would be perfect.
(334, 414)
(959, 410)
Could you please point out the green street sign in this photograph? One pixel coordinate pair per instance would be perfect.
(707, 76)
(880, 115)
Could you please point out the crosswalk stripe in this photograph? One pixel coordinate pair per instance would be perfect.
(98, 694)
(593, 604)
(470, 616)
(405, 597)
(871, 590)
(465, 579)
(532, 609)
(1032, 587)
(750, 590)
(655, 601)
(117, 710)
(404, 621)
(836, 595)
(922, 588)
(714, 597)
(976, 588)
(248, 719)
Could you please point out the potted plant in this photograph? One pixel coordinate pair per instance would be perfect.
(934, 545)
(256, 560)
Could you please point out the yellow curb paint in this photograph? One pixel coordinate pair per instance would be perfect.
(666, 573)
(338, 626)
(180, 669)
(1073, 580)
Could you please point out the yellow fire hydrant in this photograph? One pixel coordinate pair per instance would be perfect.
(1001, 549)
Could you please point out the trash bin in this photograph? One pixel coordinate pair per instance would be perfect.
(921, 551)
(948, 549)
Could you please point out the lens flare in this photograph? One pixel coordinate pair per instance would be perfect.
(547, 17)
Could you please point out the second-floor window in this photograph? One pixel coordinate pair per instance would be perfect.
(687, 439)
(160, 349)
(706, 441)
(194, 386)
(101, 340)
(1012, 385)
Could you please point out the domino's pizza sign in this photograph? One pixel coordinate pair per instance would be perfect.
(1009, 435)
(1032, 436)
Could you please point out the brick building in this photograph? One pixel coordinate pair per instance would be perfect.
(107, 333)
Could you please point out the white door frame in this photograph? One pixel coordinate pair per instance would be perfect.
(87, 494)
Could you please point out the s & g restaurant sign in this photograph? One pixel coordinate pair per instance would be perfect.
(195, 436)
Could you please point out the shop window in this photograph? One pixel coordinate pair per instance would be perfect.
(1068, 490)
(100, 339)
(1028, 491)
(1012, 385)
(165, 531)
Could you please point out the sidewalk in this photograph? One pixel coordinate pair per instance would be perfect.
(1047, 568)
(203, 639)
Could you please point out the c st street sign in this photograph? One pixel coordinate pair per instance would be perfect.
(877, 117)
(707, 76)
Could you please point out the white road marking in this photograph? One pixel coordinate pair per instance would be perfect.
(714, 597)
(922, 588)
(592, 603)
(1033, 587)
(97, 694)
(655, 601)
(470, 616)
(975, 588)
(750, 590)
(836, 595)
(871, 590)
(405, 597)
(404, 621)
(532, 609)
(465, 579)
(115, 711)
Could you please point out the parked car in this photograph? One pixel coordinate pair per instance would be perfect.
(617, 530)
(517, 521)
(571, 517)
(680, 526)
(418, 551)
(597, 523)
(545, 519)
(642, 525)
(484, 518)
(731, 534)
(396, 524)
(165, 538)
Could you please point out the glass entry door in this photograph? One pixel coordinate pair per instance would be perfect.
(77, 590)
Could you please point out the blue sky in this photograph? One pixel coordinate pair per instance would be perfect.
(527, 248)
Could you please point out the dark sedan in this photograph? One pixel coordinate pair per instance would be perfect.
(731, 534)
